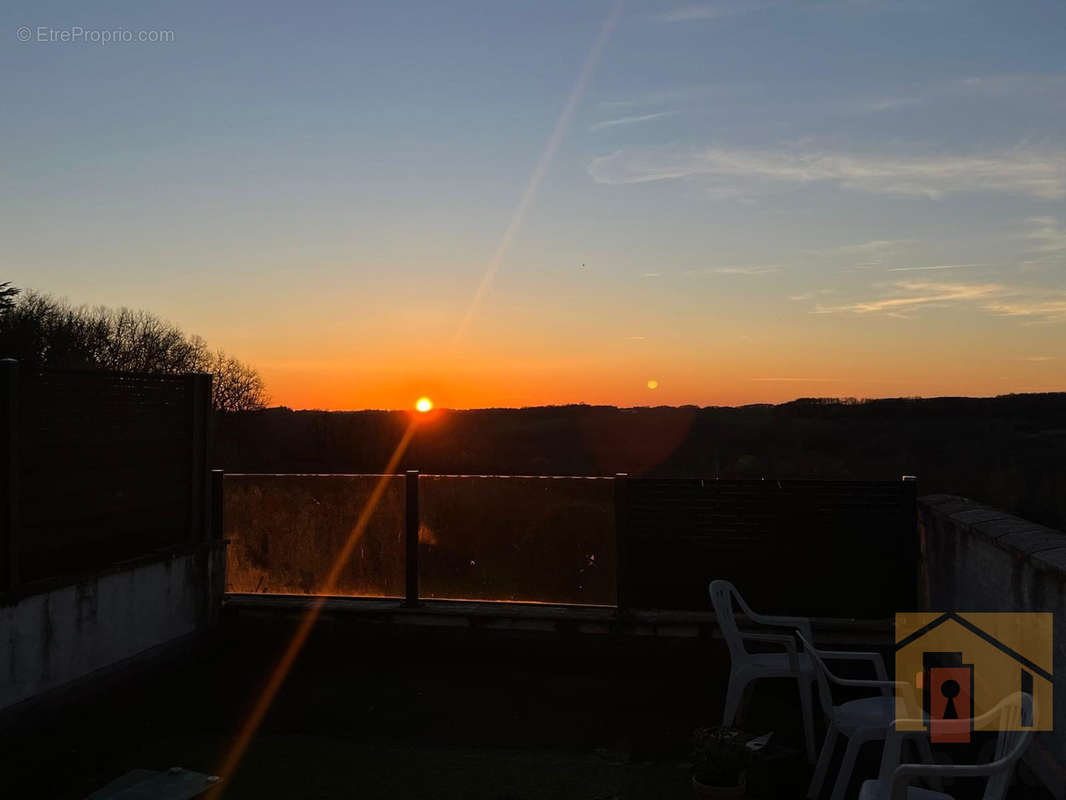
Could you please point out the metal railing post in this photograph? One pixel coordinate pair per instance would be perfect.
(621, 540)
(411, 539)
(9, 524)
(198, 387)
(912, 545)
(217, 521)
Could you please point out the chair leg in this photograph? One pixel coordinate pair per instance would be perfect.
(828, 746)
(806, 705)
(734, 694)
(926, 753)
(847, 766)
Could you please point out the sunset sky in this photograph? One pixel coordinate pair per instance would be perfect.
(524, 203)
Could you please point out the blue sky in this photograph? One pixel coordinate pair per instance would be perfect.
(769, 199)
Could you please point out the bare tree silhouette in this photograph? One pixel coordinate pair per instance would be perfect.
(237, 386)
(42, 331)
(8, 293)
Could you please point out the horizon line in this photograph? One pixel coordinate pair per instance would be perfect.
(843, 400)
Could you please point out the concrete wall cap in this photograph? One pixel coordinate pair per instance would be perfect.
(995, 528)
(1005, 530)
(1054, 559)
(947, 508)
(1030, 542)
(973, 516)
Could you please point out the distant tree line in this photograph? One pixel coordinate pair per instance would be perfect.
(42, 331)
(1006, 451)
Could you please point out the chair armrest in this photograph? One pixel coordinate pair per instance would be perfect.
(905, 773)
(802, 623)
(885, 686)
(868, 683)
(773, 638)
(850, 655)
(787, 641)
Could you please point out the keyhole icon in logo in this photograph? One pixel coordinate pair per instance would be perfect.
(951, 703)
(950, 689)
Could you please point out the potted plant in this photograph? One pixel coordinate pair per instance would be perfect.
(719, 759)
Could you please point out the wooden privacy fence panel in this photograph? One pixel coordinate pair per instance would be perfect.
(821, 548)
(108, 467)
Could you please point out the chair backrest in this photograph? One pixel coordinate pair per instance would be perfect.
(822, 673)
(722, 594)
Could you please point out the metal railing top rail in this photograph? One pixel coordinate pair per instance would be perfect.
(686, 479)
(403, 474)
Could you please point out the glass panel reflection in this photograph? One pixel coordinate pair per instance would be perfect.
(286, 531)
(532, 539)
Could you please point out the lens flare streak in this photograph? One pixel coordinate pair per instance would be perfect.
(546, 157)
(281, 671)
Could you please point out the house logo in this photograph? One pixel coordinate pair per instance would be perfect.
(961, 666)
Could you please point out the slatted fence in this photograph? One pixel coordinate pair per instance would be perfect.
(823, 548)
(101, 468)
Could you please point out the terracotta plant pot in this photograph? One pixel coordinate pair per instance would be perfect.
(706, 792)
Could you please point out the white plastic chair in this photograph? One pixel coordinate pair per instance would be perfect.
(746, 667)
(894, 778)
(860, 721)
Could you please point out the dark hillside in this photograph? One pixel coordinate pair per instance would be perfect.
(1007, 451)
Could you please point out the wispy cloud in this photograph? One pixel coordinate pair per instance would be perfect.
(934, 267)
(1046, 238)
(737, 193)
(716, 10)
(1037, 358)
(876, 251)
(685, 96)
(811, 294)
(611, 123)
(1047, 235)
(798, 380)
(761, 269)
(874, 246)
(1047, 88)
(1034, 310)
(902, 298)
(890, 103)
(908, 295)
(1023, 171)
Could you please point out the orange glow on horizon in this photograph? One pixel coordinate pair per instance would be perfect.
(740, 377)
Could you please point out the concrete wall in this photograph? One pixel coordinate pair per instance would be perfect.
(976, 558)
(52, 638)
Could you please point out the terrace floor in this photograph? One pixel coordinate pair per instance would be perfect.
(385, 711)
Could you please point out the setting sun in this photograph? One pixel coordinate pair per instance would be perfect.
(423, 404)
(653, 384)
